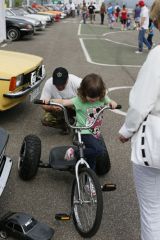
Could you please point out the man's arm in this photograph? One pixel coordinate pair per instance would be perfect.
(142, 21)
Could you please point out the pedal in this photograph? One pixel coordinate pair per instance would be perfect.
(108, 187)
(62, 217)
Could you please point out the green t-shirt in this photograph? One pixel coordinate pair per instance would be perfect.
(86, 113)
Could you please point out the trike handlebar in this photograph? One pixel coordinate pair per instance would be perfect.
(38, 101)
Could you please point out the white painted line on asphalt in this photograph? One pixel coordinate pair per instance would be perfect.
(4, 45)
(117, 88)
(88, 58)
(119, 43)
(108, 33)
(79, 30)
(85, 50)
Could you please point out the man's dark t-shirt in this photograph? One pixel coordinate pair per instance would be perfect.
(91, 9)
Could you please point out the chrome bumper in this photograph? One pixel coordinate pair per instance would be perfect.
(26, 90)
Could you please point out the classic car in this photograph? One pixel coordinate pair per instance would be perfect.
(43, 9)
(20, 75)
(50, 18)
(23, 226)
(36, 11)
(17, 28)
(36, 23)
(23, 13)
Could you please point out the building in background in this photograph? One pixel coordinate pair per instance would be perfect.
(2, 21)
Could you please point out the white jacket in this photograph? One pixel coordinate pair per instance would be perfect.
(144, 99)
(145, 94)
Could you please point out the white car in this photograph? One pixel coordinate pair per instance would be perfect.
(22, 13)
(49, 19)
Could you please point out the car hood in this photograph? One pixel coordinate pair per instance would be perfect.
(28, 19)
(17, 65)
(36, 16)
(41, 231)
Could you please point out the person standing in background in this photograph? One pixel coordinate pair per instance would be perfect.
(84, 12)
(123, 15)
(102, 12)
(78, 9)
(111, 18)
(91, 9)
(144, 23)
(73, 8)
(137, 12)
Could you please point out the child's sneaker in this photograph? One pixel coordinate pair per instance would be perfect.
(90, 189)
(69, 155)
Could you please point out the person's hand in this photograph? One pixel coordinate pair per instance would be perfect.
(56, 108)
(123, 139)
(113, 104)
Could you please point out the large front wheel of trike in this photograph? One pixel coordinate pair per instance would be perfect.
(29, 158)
(88, 209)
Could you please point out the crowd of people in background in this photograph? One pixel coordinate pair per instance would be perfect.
(115, 15)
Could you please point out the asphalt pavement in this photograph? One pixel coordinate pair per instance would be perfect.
(50, 191)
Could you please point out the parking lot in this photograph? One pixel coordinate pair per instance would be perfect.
(82, 49)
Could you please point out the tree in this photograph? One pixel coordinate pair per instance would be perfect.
(18, 3)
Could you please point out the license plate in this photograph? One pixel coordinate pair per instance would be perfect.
(33, 78)
(34, 93)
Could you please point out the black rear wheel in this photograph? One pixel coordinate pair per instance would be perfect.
(87, 211)
(29, 158)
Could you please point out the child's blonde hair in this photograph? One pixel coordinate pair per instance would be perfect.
(92, 86)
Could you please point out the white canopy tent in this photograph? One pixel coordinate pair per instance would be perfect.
(2, 21)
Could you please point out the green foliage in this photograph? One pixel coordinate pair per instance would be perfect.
(18, 3)
(7, 3)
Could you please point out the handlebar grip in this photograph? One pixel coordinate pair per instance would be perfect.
(118, 106)
(38, 101)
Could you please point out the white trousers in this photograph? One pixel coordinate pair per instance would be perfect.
(147, 183)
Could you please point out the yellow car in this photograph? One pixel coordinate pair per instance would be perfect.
(20, 75)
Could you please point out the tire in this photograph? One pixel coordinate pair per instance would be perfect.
(3, 235)
(103, 163)
(86, 222)
(13, 34)
(29, 158)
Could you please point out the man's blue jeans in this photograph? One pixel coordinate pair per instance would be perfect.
(142, 39)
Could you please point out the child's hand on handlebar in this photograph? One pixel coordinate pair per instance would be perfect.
(113, 104)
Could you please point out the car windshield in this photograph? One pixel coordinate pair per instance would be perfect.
(18, 12)
(30, 10)
(24, 11)
(8, 13)
(29, 224)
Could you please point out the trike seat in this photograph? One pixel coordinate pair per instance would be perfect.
(57, 161)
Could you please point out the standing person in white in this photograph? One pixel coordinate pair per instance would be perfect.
(144, 23)
(142, 126)
(62, 86)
